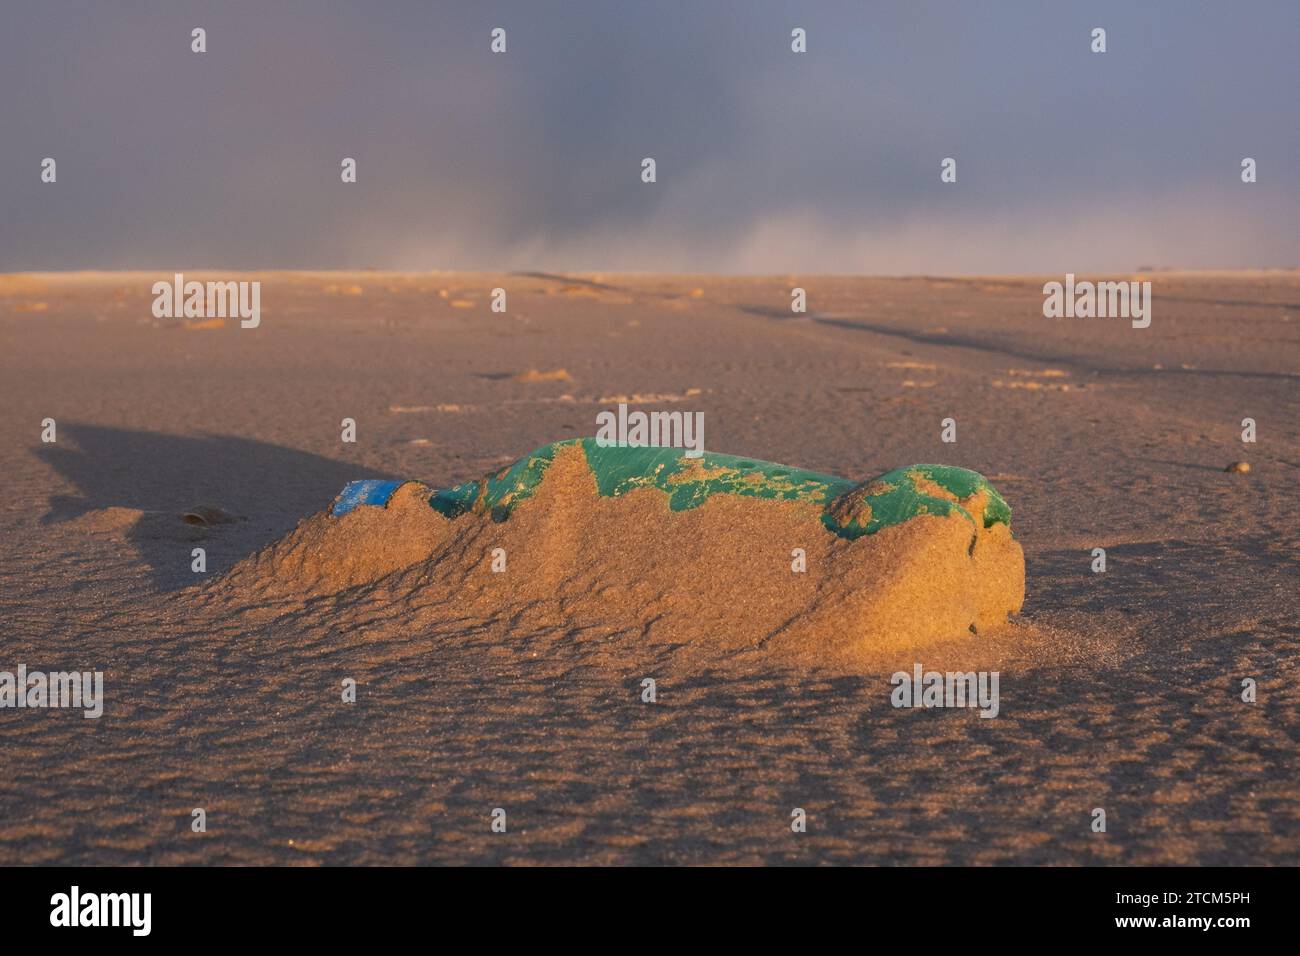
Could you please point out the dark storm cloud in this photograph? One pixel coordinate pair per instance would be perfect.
(767, 160)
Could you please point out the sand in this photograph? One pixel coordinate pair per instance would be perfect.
(1119, 690)
(718, 577)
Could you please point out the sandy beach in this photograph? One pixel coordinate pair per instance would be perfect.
(1119, 690)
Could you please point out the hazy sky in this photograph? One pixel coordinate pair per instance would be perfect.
(768, 161)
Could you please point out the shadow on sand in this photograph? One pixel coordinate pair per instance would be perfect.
(264, 490)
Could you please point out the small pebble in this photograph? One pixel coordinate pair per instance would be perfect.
(1241, 467)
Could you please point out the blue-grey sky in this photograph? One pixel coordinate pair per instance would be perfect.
(768, 161)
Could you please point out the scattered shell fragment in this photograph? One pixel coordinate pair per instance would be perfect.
(207, 514)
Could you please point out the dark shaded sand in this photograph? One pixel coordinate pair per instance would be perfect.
(1118, 690)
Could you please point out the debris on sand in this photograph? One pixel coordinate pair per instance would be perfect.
(722, 552)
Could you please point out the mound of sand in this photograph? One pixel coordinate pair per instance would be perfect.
(719, 575)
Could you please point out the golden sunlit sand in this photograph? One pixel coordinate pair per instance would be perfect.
(222, 689)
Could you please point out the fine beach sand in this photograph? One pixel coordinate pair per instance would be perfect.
(719, 575)
(523, 690)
